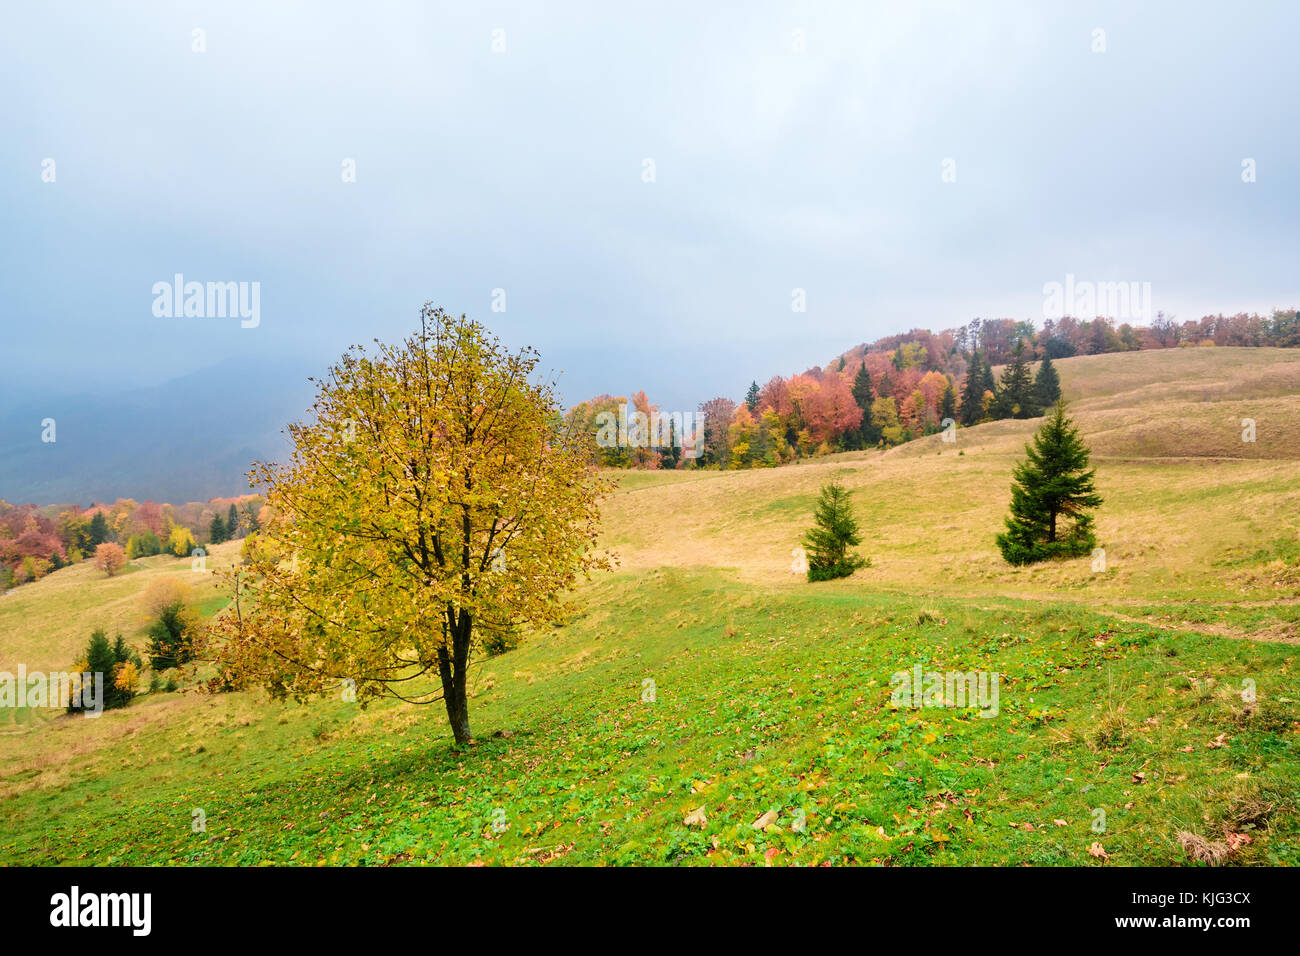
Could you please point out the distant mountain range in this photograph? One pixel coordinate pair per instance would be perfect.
(187, 439)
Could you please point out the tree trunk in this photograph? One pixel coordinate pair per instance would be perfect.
(458, 717)
(452, 669)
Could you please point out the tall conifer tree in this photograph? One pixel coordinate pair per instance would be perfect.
(1047, 384)
(1016, 394)
(973, 390)
(867, 433)
(1053, 485)
(835, 532)
(98, 529)
(948, 403)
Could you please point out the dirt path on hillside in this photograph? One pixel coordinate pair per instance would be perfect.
(1282, 632)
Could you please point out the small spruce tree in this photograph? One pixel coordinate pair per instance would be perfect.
(99, 532)
(751, 398)
(105, 663)
(1016, 394)
(217, 530)
(1052, 485)
(827, 543)
(866, 434)
(1047, 384)
(987, 385)
(171, 637)
(948, 403)
(671, 453)
(972, 392)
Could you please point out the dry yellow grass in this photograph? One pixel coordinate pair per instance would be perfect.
(1183, 502)
(1183, 492)
(46, 623)
(1195, 374)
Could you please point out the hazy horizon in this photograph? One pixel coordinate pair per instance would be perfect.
(649, 202)
(1016, 586)
(782, 160)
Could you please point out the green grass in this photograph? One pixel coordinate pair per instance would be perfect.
(47, 623)
(762, 702)
(1120, 691)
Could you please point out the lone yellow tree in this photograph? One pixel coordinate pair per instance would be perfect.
(435, 499)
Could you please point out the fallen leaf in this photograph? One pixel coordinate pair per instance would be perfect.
(1236, 840)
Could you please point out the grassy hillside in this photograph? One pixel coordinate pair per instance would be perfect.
(1121, 691)
(45, 624)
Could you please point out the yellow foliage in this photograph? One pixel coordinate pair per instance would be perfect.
(126, 677)
(435, 496)
(181, 542)
(163, 592)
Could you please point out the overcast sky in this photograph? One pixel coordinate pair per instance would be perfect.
(775, 168)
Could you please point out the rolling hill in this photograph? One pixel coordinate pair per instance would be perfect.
(703, 685)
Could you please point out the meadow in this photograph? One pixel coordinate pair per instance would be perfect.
(705, 705)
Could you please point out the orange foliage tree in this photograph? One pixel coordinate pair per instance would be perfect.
(109, 557)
